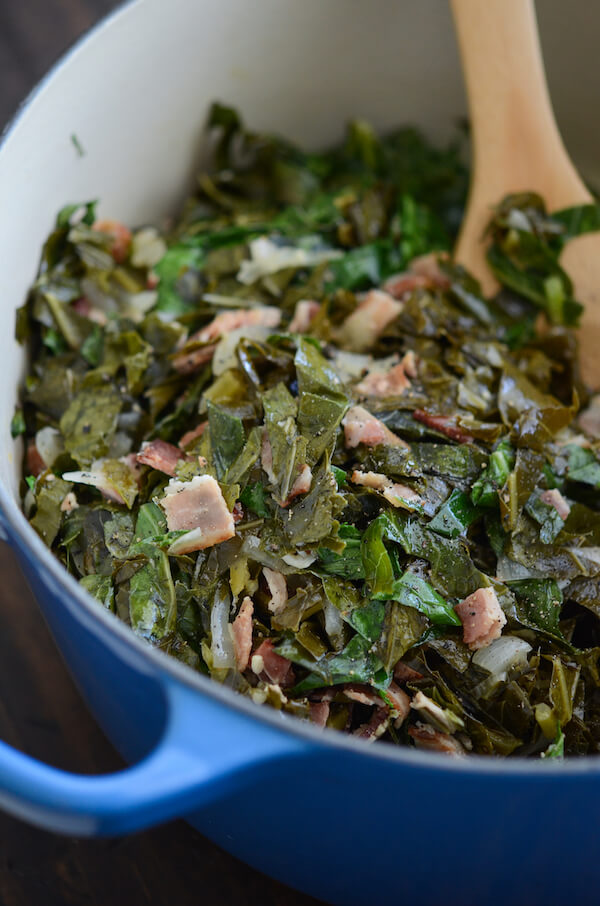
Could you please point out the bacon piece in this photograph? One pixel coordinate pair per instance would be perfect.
(84, 307)
(278, 589)
(555, 499)
(69, 503)
(429, 266)
(444, 424)
(405, 674)
(120, 235)
(369, 320)
(186, 439)
(34, 462)
(300, 486)
(380, 384)
(396, 494)
(266, 456)
(197, 506)
(410, 363)
(482, 618)
(305, 312)
(400, 285)
(360, 427)
(237, 512)
(319, 712)
(427, 737)
(400, 703)
(375, 727)
(242, 634)
(364, 695)
(264, 316)
(277, 668)
(160, 455)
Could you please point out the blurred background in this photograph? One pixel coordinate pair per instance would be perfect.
(40, 709)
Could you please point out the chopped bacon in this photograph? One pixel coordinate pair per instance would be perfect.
(319, 712)
(277, 668)
(69, 503)
(410, 362)
(427, 737)
(443, 423)
(555, 499)
(360, 427)
(120, 235)
(152, 280)
(197, 506)
(405, 674)
(237, 512)
(369, 319)
(482, 618)
(375, 727)
(160, 455)
(84, 307)
(300, 486)
(242, 634)
(187, 361)
(396, 494)
(35, 463)
(278, 589)
(400, 285)
(186, 439)
(381, 384)
(364, 695)
(266, 457)
(429, 266)
(400, 702)
(305, 312)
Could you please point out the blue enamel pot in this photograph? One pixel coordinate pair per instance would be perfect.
(346, 822)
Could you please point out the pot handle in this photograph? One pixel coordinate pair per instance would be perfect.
(184, 772)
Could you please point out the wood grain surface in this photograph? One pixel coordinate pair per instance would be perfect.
(41, 712)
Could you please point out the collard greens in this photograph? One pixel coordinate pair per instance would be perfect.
(321, 566)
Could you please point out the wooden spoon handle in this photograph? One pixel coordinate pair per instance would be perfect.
(516, 143)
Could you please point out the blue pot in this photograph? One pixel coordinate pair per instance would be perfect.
(332, 816)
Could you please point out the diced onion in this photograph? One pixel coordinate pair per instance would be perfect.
(224, 356)
(49, 445)
(222, 640)
(300, 560)
(505, 655)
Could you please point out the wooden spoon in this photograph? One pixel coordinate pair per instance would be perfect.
(517, 147)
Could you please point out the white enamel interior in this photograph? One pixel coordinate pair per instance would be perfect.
(136, 92)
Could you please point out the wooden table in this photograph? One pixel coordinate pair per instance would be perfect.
(40, 709)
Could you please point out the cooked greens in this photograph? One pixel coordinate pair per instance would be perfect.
(290, 443)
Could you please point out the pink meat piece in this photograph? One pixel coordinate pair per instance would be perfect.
(364, 695)
(264, 316)
(394, 493)
(277, 588)
(242, 634)
(443, 423)
(410, 363)
(400, 285)
(555, 499)
(375, 727)
(380, 384)
(160, 455)
(186, 362)
(198, 506)
(305, 312)
(400, 702)
(266, 457)
(429, 266)
(120, 235)
(405, 674)
(482, 618)
(427, 737)
(237, 512)
(276, 668)
(186, 439)
(369, 319)
(300, 486)
(360, 427)
(84, 307)
(319, 712)
(69, 503)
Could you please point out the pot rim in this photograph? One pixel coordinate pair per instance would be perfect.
(19, 529)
